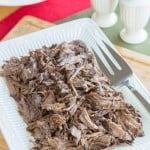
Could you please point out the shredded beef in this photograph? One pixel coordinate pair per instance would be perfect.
(67, 102)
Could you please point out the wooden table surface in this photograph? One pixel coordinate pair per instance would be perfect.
(6, 11)
(139, 63)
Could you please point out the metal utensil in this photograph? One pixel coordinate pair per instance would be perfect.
(120, 76)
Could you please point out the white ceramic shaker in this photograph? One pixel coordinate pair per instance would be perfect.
(135, 15)
(104, 12)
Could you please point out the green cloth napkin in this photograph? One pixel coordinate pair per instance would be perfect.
(114, 31)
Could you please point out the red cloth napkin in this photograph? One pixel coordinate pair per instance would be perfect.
(50, 10)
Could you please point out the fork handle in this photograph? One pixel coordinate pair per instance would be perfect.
(144, 102)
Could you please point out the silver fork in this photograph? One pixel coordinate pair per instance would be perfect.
(120, 76)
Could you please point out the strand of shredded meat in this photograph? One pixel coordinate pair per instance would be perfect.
(67, 102)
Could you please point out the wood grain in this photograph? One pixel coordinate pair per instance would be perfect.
(3, 145)
(134, 56)
(138, 62)
(26, 25)
(6, 11)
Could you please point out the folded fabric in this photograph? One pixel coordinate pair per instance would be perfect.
(50, 10)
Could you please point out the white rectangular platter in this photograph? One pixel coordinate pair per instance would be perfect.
(11, 123)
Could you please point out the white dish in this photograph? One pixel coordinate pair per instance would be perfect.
(11, 123)
(18, 2)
